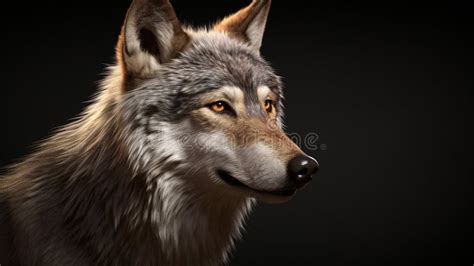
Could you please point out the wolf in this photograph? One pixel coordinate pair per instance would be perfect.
(183, 137)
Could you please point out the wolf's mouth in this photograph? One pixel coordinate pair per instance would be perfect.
(230, 180)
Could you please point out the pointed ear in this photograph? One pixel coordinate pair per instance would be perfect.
(248, 24)
(152, 35)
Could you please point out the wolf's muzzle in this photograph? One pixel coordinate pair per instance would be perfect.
(301, 169)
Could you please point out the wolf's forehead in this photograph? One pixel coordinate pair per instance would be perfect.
(215, 61)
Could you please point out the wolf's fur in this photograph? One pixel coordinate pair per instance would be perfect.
(127, 182)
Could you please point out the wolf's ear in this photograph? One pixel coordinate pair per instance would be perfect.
(152, 35)
(248, 24)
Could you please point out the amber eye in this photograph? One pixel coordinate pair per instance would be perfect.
(269, 106)
(222, 107)
(218, 107)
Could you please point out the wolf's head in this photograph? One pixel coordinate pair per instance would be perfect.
(204, 108)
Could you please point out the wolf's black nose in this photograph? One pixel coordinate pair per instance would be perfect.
(301, 169)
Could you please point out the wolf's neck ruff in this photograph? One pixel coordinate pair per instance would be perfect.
(114, 212)
(158, 193)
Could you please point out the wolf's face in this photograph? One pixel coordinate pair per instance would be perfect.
(205, 106)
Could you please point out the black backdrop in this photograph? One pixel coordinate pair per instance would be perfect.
(387, 87)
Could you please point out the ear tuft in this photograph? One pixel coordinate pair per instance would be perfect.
(148, 42)
(248, 24)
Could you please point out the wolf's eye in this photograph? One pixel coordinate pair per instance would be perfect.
(219, 107)
(222, 107)
(269, 106)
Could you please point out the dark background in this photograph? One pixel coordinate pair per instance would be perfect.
(387, 86)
